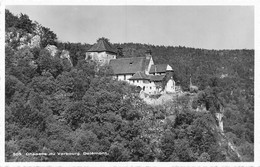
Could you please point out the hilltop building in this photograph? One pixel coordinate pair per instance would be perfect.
(102, 52)
(139, 71)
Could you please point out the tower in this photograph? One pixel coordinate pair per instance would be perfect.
(101, 52)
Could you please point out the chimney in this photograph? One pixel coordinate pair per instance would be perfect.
(148, 54)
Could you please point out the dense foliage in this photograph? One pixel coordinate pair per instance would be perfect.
(53, 107)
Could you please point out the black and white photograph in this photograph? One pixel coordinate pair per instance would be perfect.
(129, 83)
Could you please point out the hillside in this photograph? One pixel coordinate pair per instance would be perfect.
(56, 102)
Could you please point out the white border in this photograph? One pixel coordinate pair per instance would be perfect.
(2, 81)
(254, 3)
(131, 2)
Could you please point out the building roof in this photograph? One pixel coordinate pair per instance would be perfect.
(156, 77)
(158, 68)
(139, 75)
(128, 65)
(101, 46)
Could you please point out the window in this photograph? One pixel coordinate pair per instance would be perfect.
(124, 77)
(150, 87)
(137, 81)
(133, 81)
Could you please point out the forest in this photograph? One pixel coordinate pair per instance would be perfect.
(53, 106)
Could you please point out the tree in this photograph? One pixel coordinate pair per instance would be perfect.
(204, 157)
(48, 37)
(22, 65)
(10, 19)
(118, 152)
(103, 38)
(25, 23)
(9, 58)
(47, 63)
(76, 114)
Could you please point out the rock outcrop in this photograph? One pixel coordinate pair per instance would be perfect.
(35, 41)
(65, 55)
(20, 39)
(52, 49)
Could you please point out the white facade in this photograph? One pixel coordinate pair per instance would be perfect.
(101, 57)
(124, 77)
(170, 86)
(147, 86)
(150, 87)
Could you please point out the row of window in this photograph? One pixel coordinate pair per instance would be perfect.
(159, 73)
(124, 76)
(147, 87)
(145, 81)
(137, 81)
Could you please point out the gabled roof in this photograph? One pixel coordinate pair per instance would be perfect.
(139, 75)
(156, 77)
(101, 46)
(128, 65)
(158, 68)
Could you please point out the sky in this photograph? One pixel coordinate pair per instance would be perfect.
(208, 27)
